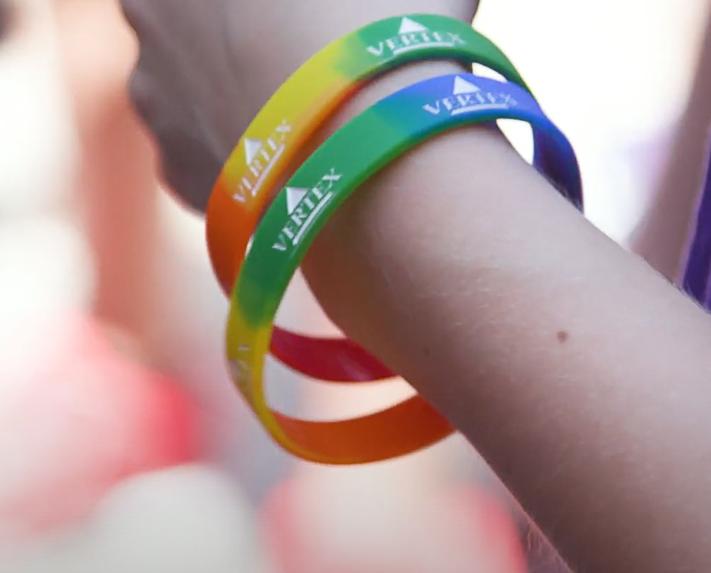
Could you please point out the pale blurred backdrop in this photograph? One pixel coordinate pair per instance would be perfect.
(123, 446)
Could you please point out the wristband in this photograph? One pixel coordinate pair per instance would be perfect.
(360, 149)
(268, 148)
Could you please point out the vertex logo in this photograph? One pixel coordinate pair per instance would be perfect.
(414, 36)
(260, 157)
(303, 206)
(240, 369)
(466, 97)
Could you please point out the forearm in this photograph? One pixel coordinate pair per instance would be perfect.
(576, 371)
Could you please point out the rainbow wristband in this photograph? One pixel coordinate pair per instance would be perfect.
(360, 149)
(281, 129)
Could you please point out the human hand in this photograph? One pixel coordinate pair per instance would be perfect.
(463, 292)
(206, 68)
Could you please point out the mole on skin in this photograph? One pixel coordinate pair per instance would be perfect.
(563, 336)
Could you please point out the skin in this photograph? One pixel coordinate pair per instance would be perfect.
(576, 370)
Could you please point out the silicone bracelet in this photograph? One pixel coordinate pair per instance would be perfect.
(280, 130)
(697, 274)
(352, 155)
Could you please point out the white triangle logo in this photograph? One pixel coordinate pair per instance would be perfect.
(294, 195)
(408, 26)
(462, 86)
(251, 148)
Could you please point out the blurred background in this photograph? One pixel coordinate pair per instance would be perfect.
(123, 446)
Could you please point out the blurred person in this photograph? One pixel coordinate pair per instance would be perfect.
(581, 421)
(662, 235)
(77, 416)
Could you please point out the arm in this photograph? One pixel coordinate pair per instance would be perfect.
(577, 371)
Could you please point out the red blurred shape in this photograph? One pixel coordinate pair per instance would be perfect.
(76, 416)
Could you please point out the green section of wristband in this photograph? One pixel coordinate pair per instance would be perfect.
(379, 46)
